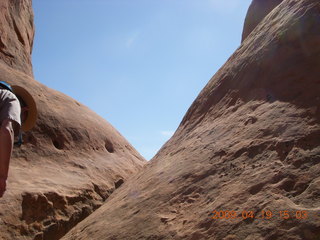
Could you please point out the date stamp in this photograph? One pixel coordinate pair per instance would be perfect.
(263, 214)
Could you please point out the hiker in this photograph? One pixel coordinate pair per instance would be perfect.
(17, 112)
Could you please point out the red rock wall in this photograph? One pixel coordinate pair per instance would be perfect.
(249, 143)
(16, 34)
(257, 11)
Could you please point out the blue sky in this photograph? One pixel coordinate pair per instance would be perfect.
(137, 63)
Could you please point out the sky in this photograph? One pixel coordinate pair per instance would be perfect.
(137, 63)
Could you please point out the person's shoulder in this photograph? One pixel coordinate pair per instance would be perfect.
(8, 94)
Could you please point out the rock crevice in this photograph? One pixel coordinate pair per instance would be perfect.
(248, 145)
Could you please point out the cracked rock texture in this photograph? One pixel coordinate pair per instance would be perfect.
(70, 162)
(249, 142)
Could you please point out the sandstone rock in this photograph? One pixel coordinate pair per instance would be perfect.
(16, 34)
(70, 162)
(257, 11)
(249, 143)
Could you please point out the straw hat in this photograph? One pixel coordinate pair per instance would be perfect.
(31, 104)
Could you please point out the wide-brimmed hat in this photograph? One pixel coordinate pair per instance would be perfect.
(30, 121)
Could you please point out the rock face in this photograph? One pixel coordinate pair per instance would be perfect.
(257, 11)
(249, 143)
(70, 162)
(16, 34)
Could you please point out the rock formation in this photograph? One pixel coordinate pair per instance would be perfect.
(257, 11)
(70, 162)
(244, 163)
(16, 34)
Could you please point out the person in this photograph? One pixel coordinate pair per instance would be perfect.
(17, 111)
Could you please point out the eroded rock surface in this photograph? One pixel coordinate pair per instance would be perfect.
(257, 11)
(249, 142)
(16, 34)
(70, 162)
